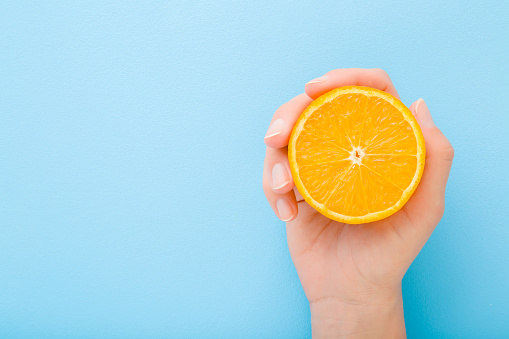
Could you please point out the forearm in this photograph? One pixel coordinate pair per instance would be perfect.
(334, 318)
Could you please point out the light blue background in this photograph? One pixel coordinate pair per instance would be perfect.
(131, 138)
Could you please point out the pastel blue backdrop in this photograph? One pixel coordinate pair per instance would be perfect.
(131, 137)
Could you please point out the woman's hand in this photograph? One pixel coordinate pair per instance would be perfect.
(352, 274)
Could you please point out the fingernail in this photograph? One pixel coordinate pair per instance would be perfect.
(423, 114)
(279, 176)
(284, 209)
(320, 79)
(277, 127)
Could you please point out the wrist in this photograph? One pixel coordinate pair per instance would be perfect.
(376, 316)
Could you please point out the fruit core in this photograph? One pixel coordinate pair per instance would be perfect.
(356, 155)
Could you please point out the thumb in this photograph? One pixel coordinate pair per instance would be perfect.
(427, 203)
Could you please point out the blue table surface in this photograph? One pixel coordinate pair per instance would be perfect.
(131, 136)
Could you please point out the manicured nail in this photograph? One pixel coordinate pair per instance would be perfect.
(279, 176)
(277, 127)
(284, 209)
(423, 114)
(320, 79)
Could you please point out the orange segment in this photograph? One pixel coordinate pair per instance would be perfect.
(320, 150)
(326, 129)
(386, 127)
(356, 154)
(400, 172)
(344, 200)
(381, 192)
(350, 111)
(318, 178)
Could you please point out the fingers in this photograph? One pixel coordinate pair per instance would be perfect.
(284, 119)
(278, 184)
(428, 200)
(375, 78)
(277, 179)
(278, 174)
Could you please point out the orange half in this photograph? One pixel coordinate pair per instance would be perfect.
(356, 154)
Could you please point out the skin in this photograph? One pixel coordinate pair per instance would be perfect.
(351, 274)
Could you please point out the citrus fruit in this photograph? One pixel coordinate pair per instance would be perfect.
(356, 154)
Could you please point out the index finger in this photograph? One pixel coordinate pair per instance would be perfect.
(375, 78)
(284, 119)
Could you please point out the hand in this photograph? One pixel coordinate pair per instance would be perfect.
(352, 274)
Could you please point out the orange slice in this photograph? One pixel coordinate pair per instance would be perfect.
(356, 154)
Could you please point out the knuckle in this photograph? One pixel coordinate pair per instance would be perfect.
(286, 106)
(270, 153)
(437, 210)
(447, 151)
(282, 107)
(441, 147)
(336, 72)
(381, 72)
(440, 208)
(265, 180)
(266, 187)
